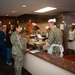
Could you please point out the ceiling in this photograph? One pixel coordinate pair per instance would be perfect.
(7, 6)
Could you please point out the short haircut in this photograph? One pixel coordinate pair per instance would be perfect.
(16, 26)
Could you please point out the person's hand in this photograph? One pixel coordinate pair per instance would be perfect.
(45, 47)
(27, 49)
(5, 40)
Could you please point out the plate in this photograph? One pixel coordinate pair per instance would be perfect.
(39, 43)
(34, 51)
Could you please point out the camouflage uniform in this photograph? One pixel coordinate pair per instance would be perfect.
(18, 51)
(55, 37)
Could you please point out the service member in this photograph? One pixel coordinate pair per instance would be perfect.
(18, 49)
(54, 41)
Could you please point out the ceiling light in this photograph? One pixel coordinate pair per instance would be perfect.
(13, 11)
(46, 9)
(17, 21)
(23, 6)
(6, 14)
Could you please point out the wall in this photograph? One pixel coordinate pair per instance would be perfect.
(40, 25)
(6, 19)
(34, 18)
(40, 20)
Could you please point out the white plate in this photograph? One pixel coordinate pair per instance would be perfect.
(34, 51)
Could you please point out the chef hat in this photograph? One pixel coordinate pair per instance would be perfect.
(47, 27)
(52, 20)
(73, 24)
(34, 24)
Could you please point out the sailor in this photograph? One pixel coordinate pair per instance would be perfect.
(54, 41)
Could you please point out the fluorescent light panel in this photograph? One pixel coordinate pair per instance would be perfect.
(46, 9)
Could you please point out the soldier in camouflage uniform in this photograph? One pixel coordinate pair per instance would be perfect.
(18, 49)
(54, 38)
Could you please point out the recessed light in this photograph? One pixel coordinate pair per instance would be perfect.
(23, 6)
(46, 9)
(13, 11)
(17, 21)
(6, 14)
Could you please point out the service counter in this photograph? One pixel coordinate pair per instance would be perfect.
(42, 63)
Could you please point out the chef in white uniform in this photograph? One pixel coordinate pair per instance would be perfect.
(71, 37)
(54, 41)
(47, 31)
